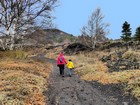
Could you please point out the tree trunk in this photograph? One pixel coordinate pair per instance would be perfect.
(2, 44)
(12, 43)
(94, 43)
(12, 37)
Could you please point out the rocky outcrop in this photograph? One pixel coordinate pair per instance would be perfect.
(120, 63)
(76, 48)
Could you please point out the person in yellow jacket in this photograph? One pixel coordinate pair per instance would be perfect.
(70, 66)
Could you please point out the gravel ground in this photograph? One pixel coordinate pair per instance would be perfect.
(74, 91)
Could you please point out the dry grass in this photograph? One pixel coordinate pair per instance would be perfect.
(132, 55)
(53, 53)
(17, 54)
(90, 68)
(35, 51)
(23, 82)
(134, 87)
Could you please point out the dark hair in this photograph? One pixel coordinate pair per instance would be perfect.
(70, 60)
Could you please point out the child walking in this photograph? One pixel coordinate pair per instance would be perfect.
(70, 66)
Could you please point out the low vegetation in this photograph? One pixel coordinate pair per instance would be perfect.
(17, 54)
(91, 68)
(23, 81)
(14, 74)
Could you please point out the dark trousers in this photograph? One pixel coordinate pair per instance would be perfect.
(61, 69)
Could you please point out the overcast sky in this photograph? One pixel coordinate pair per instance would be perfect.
(72, 15)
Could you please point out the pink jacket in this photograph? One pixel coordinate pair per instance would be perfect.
(63, 60)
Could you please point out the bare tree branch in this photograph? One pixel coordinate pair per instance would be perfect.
(95, 30)
(19, 15)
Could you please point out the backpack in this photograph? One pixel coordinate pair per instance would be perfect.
(61, 60)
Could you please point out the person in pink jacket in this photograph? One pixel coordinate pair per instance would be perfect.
(61, 64)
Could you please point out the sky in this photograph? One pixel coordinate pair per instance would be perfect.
(72, 15)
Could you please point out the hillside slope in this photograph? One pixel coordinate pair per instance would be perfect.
(49, 36)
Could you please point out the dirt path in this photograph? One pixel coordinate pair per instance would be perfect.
(73, 91)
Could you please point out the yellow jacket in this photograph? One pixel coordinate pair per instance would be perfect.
(70, 65)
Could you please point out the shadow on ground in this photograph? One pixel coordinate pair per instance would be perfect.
(116, 92)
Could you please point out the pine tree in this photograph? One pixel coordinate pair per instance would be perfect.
(126, 32)
(137, 34)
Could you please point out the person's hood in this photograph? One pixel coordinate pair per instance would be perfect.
(61, 54)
